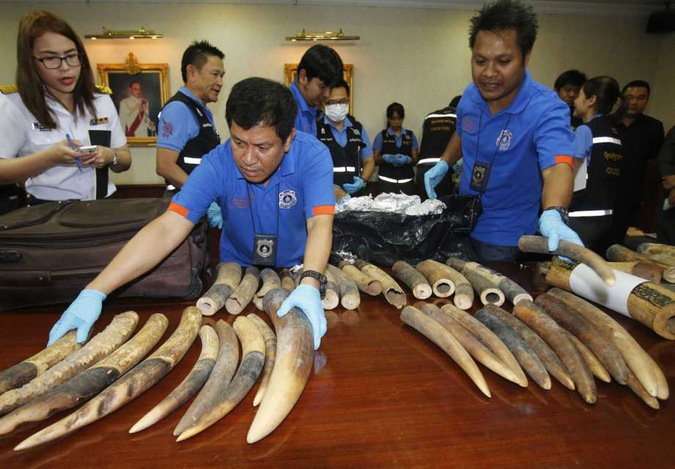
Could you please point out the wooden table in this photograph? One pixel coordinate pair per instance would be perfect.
(380, 395)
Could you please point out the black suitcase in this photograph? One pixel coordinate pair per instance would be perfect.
(49, 252)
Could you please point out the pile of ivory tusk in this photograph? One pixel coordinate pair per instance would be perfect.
(109, 372)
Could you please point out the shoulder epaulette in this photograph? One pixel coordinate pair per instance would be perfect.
(103, 89)
(8, 89)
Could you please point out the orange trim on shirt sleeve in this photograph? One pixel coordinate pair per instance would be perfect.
(323, 210)
(179, 209)
(564, 159)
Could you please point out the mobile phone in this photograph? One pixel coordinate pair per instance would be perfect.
(86, 148)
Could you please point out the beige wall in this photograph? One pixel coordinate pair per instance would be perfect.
(419, 57)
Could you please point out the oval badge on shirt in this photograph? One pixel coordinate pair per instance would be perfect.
(504, 140)
(287, 199)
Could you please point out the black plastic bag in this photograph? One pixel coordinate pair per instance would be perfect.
(383, 238)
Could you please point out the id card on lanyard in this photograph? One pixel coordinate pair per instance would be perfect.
(264, 245)
(480, 173)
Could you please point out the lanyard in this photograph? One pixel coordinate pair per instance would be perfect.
(264, 245)
(480, 119)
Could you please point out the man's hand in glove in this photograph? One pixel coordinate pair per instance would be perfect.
(81, 315)
(308, 299)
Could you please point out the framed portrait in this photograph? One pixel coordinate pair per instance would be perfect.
(291, 70)
(139, 91)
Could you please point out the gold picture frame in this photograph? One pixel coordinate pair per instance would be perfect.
(291, 70)
(139, 112)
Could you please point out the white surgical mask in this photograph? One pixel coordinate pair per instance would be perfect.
(337, 112)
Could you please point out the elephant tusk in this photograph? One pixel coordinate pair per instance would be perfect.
(270, 281)
(243, 294)
(414, 280)
(229, 276)
(513, 292)
(270, 355)
(365, 283)
(350, 298)
(392, 291)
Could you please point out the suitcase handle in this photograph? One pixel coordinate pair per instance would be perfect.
(10, 256)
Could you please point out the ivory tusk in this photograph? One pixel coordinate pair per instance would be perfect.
(229, 276)
(219, 378)
(101, 345)
(487, 291)
(535, 317)
(243, 294)
(646, 270)
(21, 373)
(331, 299)
(141, 378)
(472, 345)
(350, 298)
(433, 331)
(192, 383)
(539, 244)
(587, 333)
(527, 358)
(287, 281)
(270, 355)
(487, 338)
(294, 359)
(441, 283)
(270, 281)
(513, 292)
(365, 283)
(635, 386)
(91, 381)
(253, 353)
(392, 290)
(656, 248)
(638, 360)
(621, 253)
(597, 368)
(547, 356)
(413, 279)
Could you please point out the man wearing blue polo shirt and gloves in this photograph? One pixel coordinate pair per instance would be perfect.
(514, 136)
(275, 189)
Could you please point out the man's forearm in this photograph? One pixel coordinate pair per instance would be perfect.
(558, 186)
(368, 169)
(318, 246)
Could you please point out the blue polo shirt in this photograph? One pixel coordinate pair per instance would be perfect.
(301, 188)
(341, 137)
(305, 121)
(532, 134)
(377, 144)
(178, 124)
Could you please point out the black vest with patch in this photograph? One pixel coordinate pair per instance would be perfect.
(346, 160)
(389, 147)
(437, 129)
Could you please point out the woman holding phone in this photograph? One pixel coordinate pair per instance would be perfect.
(45, 137)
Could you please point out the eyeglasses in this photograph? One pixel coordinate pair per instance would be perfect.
(52, 62)
(342, 101)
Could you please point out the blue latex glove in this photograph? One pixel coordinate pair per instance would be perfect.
(81, 315)
(308, 299)
(552, 226)
(214, 216)
(401, 159)
(391, 159)
(356, 186)
(457, 167)
(434, 176)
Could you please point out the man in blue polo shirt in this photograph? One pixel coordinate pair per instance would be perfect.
(275, 188)
(514, 136)
(320, 68)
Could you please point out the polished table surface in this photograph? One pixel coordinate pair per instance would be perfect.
(380, 395)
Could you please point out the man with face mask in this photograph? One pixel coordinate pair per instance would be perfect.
(348, 142)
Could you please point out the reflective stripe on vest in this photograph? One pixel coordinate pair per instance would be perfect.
(589, 213)
(344, 169)
(395, 181)
(190, 160)
(615, 141)
(428, 160)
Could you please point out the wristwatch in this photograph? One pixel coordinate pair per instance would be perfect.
(564, 213)
(317, 276)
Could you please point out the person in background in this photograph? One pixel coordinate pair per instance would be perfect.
(320, 68)
(348, 142)
(135, 113)
(666, 215)
(49, 114)
(187, 130)
(437, 129)
(567, 85)
(395, 151)
(641, 137)
(514, 137)
(597, 163)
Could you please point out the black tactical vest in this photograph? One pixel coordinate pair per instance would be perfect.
(436, 132)
(346, 160)
(390, 171)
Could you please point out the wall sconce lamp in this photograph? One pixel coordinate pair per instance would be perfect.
(322, 36)
(141, 33)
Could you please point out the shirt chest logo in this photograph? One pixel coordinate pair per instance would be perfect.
(287, 199)
(40, 127)
(99, 121)
(504, 140)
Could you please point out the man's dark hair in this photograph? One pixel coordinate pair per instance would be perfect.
(606, 92)
(639, 84)
(395, 108)
(503, 15)
(570, 77)
(198, 54)
(261, 102)
(341, 83)
(321, 62)
(455, 101)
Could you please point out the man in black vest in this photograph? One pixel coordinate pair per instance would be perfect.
(348, 142)
(437, 129)
(186, 130)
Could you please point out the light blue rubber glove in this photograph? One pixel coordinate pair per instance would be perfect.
(457, 167)
(401, 159)
(391, 159)
(354, 187)
(552, 226)
(214, 215)
(81, 315)
(434, 176)
(308, 299)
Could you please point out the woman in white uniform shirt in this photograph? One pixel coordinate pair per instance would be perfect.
(55, 95)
